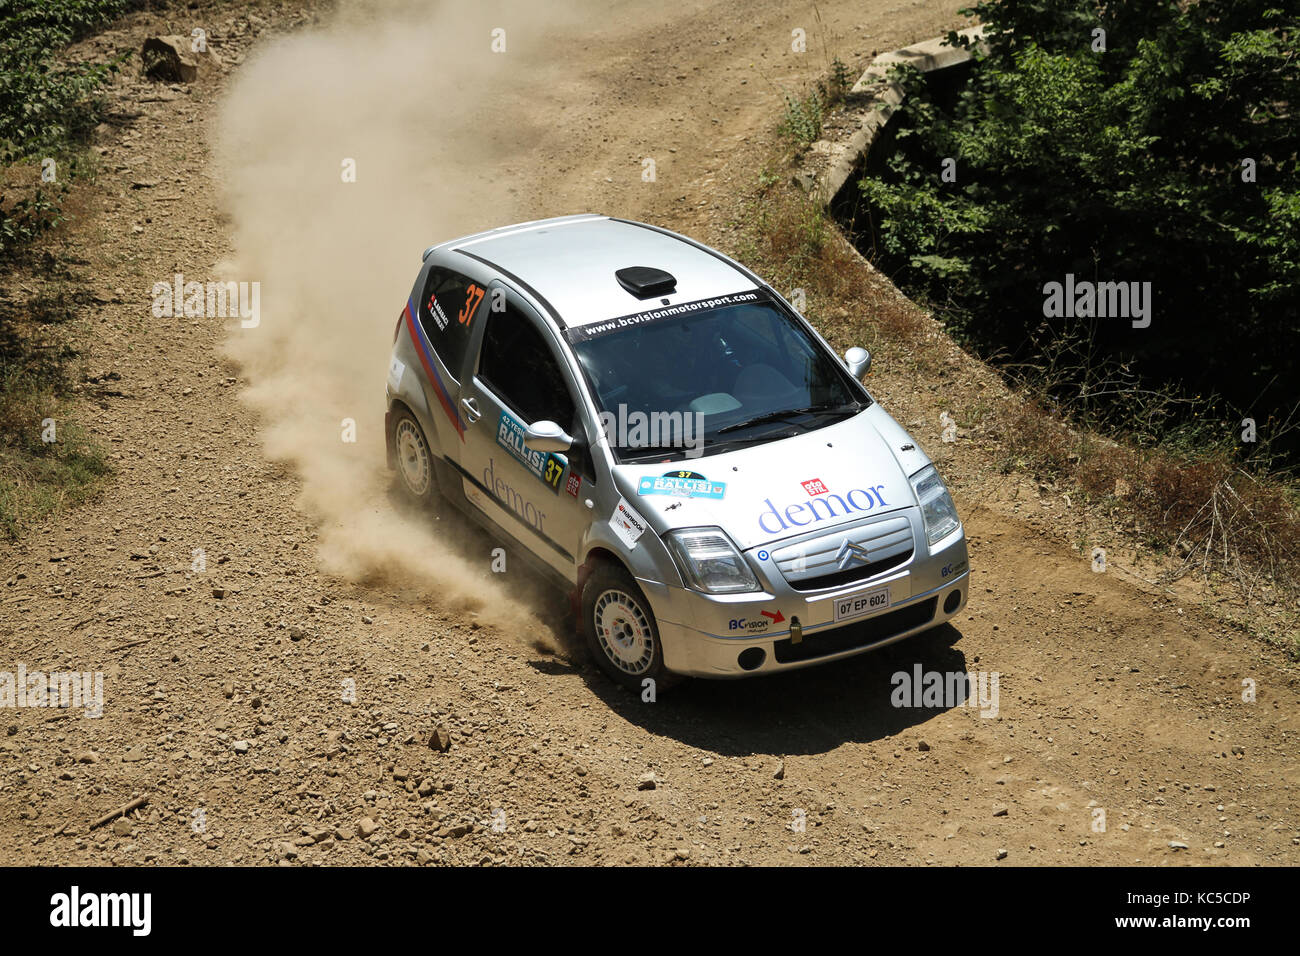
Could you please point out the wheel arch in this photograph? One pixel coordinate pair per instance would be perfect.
(596, 556)
(599, 554)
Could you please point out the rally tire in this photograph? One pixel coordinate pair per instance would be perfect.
(620, 630)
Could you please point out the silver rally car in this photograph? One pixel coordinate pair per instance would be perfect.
(655, 428)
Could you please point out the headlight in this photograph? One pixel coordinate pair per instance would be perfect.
(709, 562)
(937, 510)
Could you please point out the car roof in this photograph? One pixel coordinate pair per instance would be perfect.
(569, 263)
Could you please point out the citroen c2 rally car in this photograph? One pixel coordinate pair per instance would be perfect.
(655, 428)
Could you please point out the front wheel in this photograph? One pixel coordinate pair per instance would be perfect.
(620, 629)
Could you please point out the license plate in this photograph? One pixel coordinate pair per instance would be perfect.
(860, 604)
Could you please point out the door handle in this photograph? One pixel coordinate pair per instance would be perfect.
(471, 410)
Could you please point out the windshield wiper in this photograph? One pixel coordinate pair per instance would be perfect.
(783, 415)
(640, 452)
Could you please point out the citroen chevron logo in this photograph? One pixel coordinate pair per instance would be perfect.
(851, 553)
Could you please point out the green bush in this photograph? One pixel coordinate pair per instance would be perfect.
(803, 117)
(1117, 165)
(46, 107)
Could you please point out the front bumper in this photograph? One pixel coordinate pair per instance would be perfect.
(781, 628)
(690, 651)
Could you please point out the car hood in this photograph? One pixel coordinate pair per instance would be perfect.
(766, 492)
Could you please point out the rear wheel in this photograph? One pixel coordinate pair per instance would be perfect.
(620, 629)
(414, 460)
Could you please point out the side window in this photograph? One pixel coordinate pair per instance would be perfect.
(519, 367)
(449, 306)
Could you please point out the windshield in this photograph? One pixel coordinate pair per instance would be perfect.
(707, 377)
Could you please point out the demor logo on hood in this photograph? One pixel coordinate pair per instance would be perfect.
(826, 506)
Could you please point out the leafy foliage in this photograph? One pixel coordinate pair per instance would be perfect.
(804, 116)
(46, 107)
(1123, 164)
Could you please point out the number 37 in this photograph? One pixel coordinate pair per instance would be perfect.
(473, 296)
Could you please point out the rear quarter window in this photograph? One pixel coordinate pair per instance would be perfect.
(450, 305)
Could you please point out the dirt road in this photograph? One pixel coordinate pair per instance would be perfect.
(273, 668)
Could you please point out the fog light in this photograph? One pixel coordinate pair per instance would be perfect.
(951, 601)
(751, 659)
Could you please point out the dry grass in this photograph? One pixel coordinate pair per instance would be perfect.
(1212, 515)
(796, 245)
(39, 476)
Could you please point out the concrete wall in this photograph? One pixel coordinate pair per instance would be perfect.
(844, 155)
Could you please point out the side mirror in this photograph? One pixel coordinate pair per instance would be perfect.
(858, 360)
(547, 436)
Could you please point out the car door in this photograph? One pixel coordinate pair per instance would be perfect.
(516, 379)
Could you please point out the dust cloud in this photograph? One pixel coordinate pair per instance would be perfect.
(413, 96)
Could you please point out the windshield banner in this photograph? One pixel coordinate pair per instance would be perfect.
(584, 333)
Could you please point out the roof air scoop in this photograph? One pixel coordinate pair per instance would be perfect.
(645, 282)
